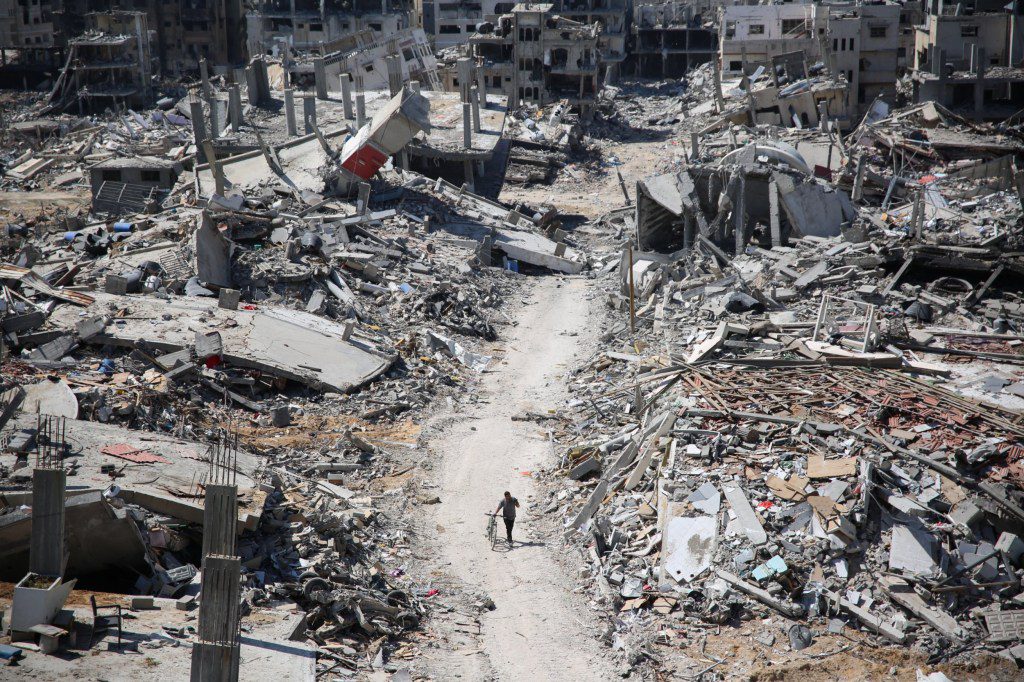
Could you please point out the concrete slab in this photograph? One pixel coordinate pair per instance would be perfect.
(165, 487)
(266, 651)
(283, 342)
(50, 397)
(689, 547)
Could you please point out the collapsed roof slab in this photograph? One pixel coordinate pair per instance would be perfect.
(279, 341)
(167, 485)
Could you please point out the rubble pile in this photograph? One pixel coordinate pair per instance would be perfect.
(314, 330)
(825, 429)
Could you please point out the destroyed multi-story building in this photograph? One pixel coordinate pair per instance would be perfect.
(184, 31)
(25, 24)
(450, 24)
(670, 38)
(111, 64)
(534, 55)
(860, 42)
(305, 25)
(971, 61)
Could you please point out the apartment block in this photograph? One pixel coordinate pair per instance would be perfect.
(534, 55)
(320, 25)
(111, 64)
(861, 42)
(670, 38)
(969, 59)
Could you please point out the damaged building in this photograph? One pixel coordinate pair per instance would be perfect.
(670, 38)
(743, 337)
(533, 55)
(273, 26)
(971, 62)
(742, 199)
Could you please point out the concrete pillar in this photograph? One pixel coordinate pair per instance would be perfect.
(252, 88)
(716, 73)
(320, 77)
(346, 94)
(289, 112)
(204, 76)
(467, 168)
(481, 87)
(360, 110)
(235, 106)
(740, 215)
(308, 112)
(220, 518)
(464, 68)
(774, 218)
(858, 180)
(215, 107)
(689, 230)
(215, 167)
(47, 543)
(467, 123)
(694, 146)
(979, 87)
(198, 126)
(475, 103)
(823, 117)
(218, 620)
(394, 66)
(263, 80)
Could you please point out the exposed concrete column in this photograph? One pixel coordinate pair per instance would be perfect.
(218, 619)
(467, 168)
(481, 87)
(235, 106)
(289, 112)
(465, 73)
(475, 102)
(394, 66)
(716, 73)
(360, 109)
(823, 117)
(740, 215)
(47, 543)
(308, 112)
(694, 146)
(979, 86)
(320, 77)
(220, 519)
(346, 94)
(252, 88)
(773, 213)
(204, 76)
(215, 167)
(467, 130)
(689, 230)
(215, 106)
(198, 126)
(858, 180)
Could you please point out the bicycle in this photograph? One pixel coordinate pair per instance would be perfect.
(492, 529)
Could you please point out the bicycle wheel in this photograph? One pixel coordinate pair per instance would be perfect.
(492, 531)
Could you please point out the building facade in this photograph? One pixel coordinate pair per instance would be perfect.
(670, 38)
(320, 25)
(533, 55)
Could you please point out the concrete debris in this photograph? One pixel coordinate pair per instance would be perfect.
(238, 293)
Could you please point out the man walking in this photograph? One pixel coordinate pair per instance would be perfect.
(507, 507)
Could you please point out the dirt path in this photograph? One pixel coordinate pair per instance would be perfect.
(540, 629)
